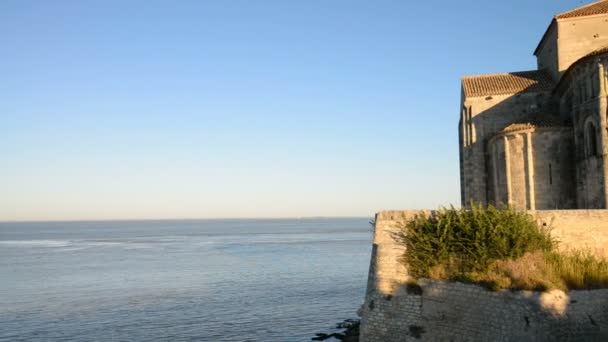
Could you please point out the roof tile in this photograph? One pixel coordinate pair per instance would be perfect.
(536, 120)
(507, 83)
(599, 7)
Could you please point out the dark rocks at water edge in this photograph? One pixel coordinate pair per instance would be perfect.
(350, 333)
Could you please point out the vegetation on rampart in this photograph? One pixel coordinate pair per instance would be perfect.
(496, 248)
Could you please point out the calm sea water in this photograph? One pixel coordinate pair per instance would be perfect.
(194, 280)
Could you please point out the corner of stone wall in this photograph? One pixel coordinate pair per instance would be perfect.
(388, 278)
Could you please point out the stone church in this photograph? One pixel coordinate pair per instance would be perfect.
(539, 139)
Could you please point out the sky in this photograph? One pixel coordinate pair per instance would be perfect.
(243, 109)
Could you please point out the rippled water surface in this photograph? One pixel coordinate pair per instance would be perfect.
(195, 280)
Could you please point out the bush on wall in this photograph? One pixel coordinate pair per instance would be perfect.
(498, 248)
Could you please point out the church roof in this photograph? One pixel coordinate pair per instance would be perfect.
(518, 127)
(599, 7)
(535, 121)
(507, 83)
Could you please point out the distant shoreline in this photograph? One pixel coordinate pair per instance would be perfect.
(191, 219)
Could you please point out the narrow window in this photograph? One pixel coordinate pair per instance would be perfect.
(471, 136)
(591, 140)
(585, 90)
(465, 127)
(550, 174)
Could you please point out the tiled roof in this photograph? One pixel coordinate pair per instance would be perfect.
(599, 7)
(536, 120)
(508, 83)
(518, 127)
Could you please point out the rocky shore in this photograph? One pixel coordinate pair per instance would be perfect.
(350, 332)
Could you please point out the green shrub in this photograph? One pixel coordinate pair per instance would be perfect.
(496, 248)
(453, 242)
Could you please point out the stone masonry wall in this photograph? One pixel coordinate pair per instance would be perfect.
(546, 56)
(397, 308)
(577, 37)
(578, 229)
(531, 168)
(481, 118)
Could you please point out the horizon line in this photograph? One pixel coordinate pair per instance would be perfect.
(183, 219)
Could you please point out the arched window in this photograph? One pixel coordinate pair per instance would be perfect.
(591, 139)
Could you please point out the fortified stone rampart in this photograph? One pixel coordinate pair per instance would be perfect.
(397, 308)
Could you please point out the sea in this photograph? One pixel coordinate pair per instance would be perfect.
(181, 280)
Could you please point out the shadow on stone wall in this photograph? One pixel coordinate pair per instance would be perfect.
(450, 311)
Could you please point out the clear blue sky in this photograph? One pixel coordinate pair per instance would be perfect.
(197, 109)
